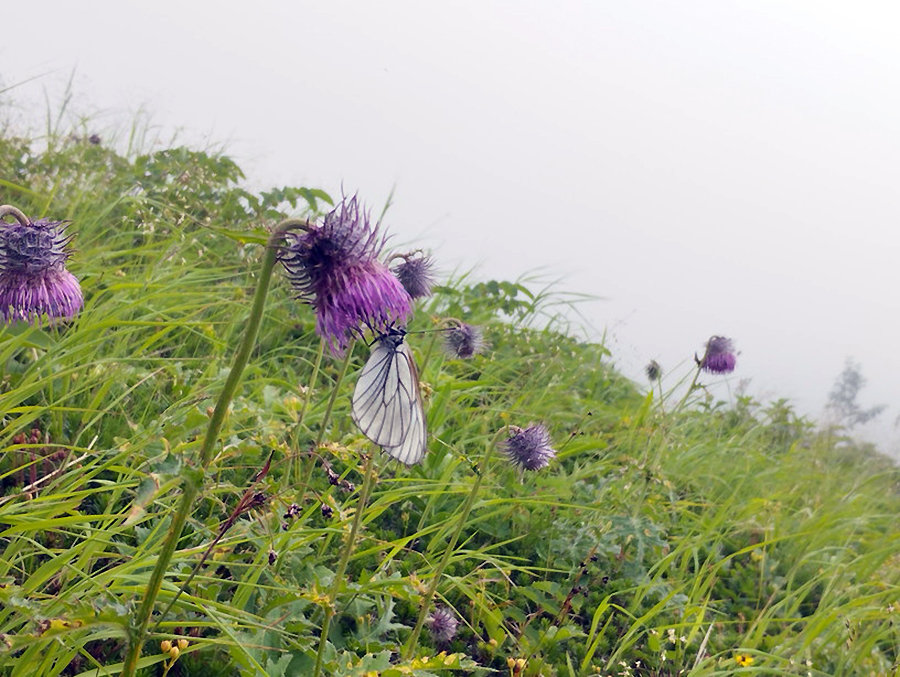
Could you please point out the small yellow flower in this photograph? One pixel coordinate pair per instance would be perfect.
(182, 644)
(174, 652)
(165, 645)
(743, 659)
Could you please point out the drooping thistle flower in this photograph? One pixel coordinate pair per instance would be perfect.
(719, 357)
(463, 340)
(416, 273)
(653, 370)
(34, 281)
(529, 448)
(335, 268)
(442, 624)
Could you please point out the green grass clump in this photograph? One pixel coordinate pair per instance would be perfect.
(705, 539)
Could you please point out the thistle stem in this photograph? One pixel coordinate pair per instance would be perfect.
(334, 392)
(690, 390)
(194, 482)
(295, 470)
(342, 565)
(662, 394)
(410, 645)
(307, 476)
(428, 351)
(9, 210)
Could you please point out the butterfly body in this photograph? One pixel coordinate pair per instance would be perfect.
(387, 403)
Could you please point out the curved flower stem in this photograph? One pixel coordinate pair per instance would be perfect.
(9, 210)
(342, 565)
(406, 256)
(193, 480)
(410, 645)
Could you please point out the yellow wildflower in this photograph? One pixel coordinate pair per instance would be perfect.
(743, 659)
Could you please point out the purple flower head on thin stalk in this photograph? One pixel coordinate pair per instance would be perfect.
(34, 282)
(416, 274)
(463, 341)
(335, 268)
(442, 624)
(529, 448)
(719, 357)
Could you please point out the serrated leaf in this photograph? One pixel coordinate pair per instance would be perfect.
(279, 667)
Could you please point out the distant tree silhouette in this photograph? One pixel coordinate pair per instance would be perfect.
(842, 400)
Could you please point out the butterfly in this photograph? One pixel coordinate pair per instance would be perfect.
(387, 404)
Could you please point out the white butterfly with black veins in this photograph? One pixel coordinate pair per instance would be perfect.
(387, 403)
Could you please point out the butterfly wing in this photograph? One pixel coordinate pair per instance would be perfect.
(387, 404)
(412, 449)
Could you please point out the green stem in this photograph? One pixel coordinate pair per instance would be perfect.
(428, 351)
(690, 390)
(662, 394)
(193, 482)
(311, 463)
(313, 380)
(64, 382)
(410, 645)
(342, 565)
(334, 393)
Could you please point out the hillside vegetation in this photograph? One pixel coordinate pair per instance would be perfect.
(667, 537)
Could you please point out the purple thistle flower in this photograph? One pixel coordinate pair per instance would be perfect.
(530, 447)
(463, 341)
(442, 624)
(335, 268)
(415, 274)
(34, 282)
(719, 357)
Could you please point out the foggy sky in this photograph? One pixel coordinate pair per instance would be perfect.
(706, 167)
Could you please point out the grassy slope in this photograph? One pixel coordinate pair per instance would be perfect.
(734, 529)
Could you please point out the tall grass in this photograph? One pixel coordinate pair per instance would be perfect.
(658, 542)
